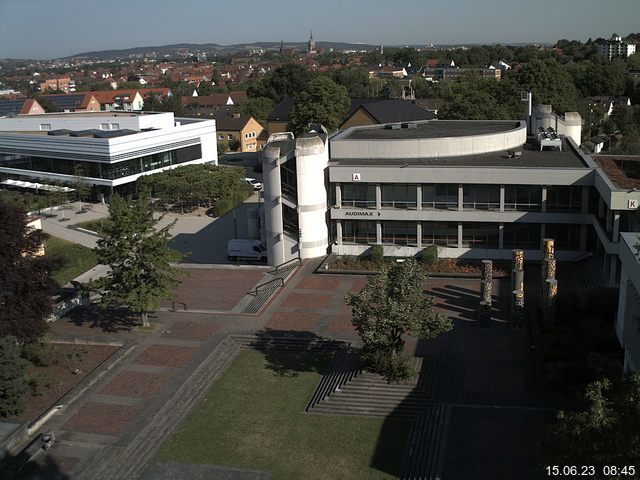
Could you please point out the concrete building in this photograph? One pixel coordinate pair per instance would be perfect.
(113, 149)
(616, 47)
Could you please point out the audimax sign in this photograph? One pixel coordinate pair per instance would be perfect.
(360, 213)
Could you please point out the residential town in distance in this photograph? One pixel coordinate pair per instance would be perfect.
(322, 260)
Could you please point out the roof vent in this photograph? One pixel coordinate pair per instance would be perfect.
(392, 126)
(409, 125)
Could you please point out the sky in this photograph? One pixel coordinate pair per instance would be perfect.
(41, 29)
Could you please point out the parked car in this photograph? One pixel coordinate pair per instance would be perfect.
(254, 183)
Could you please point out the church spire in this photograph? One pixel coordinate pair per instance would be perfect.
(312, 43)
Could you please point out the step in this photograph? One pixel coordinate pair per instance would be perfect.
(367, 411)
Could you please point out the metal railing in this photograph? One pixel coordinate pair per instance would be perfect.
(282, 266)
(263, 286)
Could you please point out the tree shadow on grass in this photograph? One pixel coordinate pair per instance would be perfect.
(110, 320)
(289, 353)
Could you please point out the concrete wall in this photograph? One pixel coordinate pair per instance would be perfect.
(430, 147)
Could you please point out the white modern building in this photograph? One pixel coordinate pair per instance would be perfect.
(113, 149)
(616, 47)
(476, 189)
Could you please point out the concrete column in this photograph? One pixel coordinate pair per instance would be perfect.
(609, 224)
(616, 227)
(419, 234)
(378, 197)
(501, 199)
(460, 197)
(419, 196)
(584, 206)
(339, 232)
(613, 270)
(459, 234)
(501, 236)
(379, 232)
(583, 237)
(544, 198)
(338, 195)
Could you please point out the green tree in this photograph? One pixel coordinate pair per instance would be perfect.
(604, 431)
(550, 84)
(285, 81)
(323, 101)
(234, 145)
(259, 108)
(391, 305)
(154, 103)
(13, 385)
(80, 184)
(25, 283)
(354, 79)
(139, 258)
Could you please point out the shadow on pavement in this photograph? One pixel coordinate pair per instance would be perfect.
(109, 320)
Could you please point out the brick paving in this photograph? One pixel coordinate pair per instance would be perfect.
(340, 324)
(319, 282)
(296, 321)
(165, 355)
(215, 289)
(190, 330)
(128, 383)
(307, 300)
(102, 418)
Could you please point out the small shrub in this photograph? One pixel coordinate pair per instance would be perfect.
(429, 255)
(38, 353)
(377, 254)
(394, 368)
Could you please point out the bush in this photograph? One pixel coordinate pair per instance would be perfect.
(377, 253)
(38, 353)
(429, 255)
(394, 368)
(13, 384)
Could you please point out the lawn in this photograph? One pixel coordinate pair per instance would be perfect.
(253, 417)
(77, 259)
(93, 225)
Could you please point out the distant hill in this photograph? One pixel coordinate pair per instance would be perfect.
(162, 50)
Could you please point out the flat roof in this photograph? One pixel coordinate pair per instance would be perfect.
(531, 157)
(431, 129)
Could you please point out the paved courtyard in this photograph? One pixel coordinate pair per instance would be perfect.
(483, 373)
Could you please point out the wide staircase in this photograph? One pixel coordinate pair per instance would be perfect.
(348, 390)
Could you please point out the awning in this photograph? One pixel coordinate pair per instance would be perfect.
(36, 186)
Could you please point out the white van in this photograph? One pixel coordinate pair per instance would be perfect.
(253, 249)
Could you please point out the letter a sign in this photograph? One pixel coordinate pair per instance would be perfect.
(355, 177)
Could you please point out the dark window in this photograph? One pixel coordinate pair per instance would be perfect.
(289, 179)
(521, 235)
(523, 198)
(290, 221)
(481, 197)
(565, 236)
(399, 233)
(440, 233)
(444, 196)
(355, 231)
(399, 195)
(564, 199)
(480, 235)
(358, 195)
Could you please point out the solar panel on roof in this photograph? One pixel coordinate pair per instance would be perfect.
(66, 101)
(11, 106)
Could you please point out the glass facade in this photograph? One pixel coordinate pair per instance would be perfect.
(521, 235)
(399, 233)
(444, 234)
(354, 231)
(480, 235)
(399, 195)
(359, 195)
(564, 199)
(109, 171)
(523, 198)
(481, 197)
(290, 221)
(566, 237)
(289, 179)
(443, 196)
